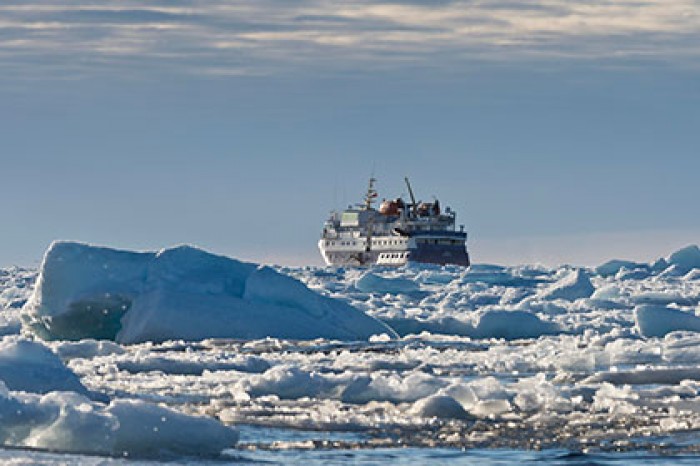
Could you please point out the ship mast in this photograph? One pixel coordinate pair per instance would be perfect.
(371, 194)
(369, 199)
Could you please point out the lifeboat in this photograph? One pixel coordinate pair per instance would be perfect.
(391, 208)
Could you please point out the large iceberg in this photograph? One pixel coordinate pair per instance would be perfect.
(185, 293)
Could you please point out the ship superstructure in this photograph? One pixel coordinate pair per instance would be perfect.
(396, 233)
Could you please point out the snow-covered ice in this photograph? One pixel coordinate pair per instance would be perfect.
(29, 366)
(69, 422)
(181, 293)
(43, 405)
(523, 356)
(657, 321)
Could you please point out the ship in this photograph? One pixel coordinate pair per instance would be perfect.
(397, 233)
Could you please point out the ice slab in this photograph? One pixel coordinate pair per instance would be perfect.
(613, 267)
(686, 259)
(496, 323)
(577, 284)
(32, 367)
(85, 291)
(69, 422)
(373, 283)
(657, 321)
(440, 406)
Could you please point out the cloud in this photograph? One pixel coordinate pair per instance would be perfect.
(274, 36)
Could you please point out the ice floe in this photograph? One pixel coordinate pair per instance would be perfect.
(32, 367)
(182, 293)
(373, 283)
(573, 286)
(686, 259)
(70, 422)
(44, 405)
(657, 321)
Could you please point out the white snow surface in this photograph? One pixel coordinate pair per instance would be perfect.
(493, 356)
(85, 291)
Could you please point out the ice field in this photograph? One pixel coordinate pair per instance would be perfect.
(138, 356)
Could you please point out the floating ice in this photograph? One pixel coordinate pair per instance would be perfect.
(610, 292)
(646, 376)
(87, 348)
(524, 357)
(575, 285)
(44, 405)
(69, 422)
(31, 367)
(373, 283)
(181, 293)
(663, 298)
(686, 259)
(10, 324)
(510, 325)
(440, 406)
(614, 266)
(498, 275)
(657, 321)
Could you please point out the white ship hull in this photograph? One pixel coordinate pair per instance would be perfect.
(353, 252)
(445, 248)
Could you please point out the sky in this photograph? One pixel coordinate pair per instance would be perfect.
(561, 131)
